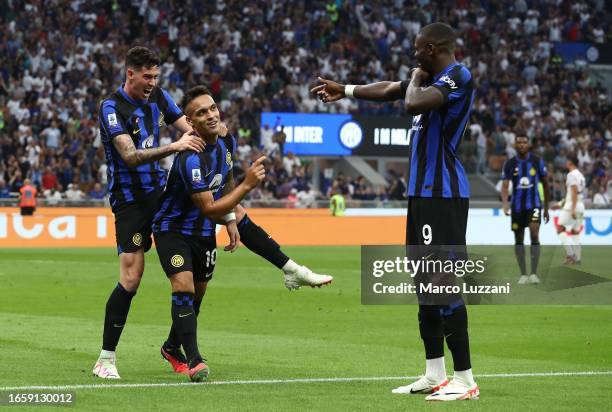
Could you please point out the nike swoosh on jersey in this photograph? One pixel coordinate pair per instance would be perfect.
(118, 326)
(184, 315)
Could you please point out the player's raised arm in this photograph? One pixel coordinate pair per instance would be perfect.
(421, 99)
(330, 91)
(134, 157)
(217, 208)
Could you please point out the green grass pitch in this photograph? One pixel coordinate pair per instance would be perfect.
(252, 328)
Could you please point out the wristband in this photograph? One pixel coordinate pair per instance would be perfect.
(229, 217)
(349, 90)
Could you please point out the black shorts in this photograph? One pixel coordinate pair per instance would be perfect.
(133, 223)
(182, 253)
(27, 210)
(436, 221)
(522, 219)
(435, 230)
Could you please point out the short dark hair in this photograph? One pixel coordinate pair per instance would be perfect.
(520, 133)
(572, 158)
(192, 93)
(441, 34)
(139, 57)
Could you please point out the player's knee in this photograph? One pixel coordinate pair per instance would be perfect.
(456, 323)
(182, 282)
(132, 267)
(430, 322)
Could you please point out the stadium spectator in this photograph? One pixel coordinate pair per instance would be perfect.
(97, 192)
(4, 191)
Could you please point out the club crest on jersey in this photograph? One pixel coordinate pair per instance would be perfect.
(515, 171)
(196, 175)
(112, 120)
(160, 120)
(228, 158)
(147, 143)
(532, 171)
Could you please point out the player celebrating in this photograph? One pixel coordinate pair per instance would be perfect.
(440, 96)
(572, 213)
(130, 120)
(526, 171)
(184, 228)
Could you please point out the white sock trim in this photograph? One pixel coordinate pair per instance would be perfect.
(106, 354)
(465, 377)
(290, 266)
(435, 370)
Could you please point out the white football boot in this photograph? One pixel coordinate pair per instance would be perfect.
(421, 386)
(455, 391)
(302, 276)
(533, 278)
(105, 368)
(523, 280)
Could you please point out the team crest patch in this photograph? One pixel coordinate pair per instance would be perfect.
(532, 171)
(196, 175)
(514, 226)
(137, 239)
(160, 120)
(112, 120)
(177, 261)
(515, 171)
(228, 158)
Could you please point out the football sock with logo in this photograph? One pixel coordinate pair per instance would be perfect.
(117, 308)
(535, 257)
(519, 251)
(430, 327)
(173, 342)
(457, 339)
(258, 241)
(186, 324)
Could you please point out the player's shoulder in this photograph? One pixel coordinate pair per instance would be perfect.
(157, 94)
(459, 73)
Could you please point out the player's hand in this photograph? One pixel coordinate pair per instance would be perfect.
(328, 91)
(506, 210)
(255, 174)
(420, 75)
(234, 236)
(574, 214)
(546, 216)
(189, 141)
(223, 130)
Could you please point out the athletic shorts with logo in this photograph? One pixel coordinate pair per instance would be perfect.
(522, 219)
(184, 253)
(435, 229)
(133, 223)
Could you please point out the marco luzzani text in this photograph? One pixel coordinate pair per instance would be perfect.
(432, 267)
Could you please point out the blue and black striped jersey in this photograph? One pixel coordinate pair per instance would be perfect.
(525, 174)
(141, 120)
(435, 170)
(191, 173)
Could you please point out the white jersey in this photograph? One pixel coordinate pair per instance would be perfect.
(574, 178)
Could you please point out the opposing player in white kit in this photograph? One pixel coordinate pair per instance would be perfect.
(572, 213)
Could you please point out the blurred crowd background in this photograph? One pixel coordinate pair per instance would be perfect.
(58, 59)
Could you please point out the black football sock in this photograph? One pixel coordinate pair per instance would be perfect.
(519, 251)
(173, 343)
(430, 326)
(186, 324)
(535, 257)
(258, 241)
(117, 308)
(456, 333)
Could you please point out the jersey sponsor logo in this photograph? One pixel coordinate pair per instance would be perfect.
(177, 261)
(137, 239)
(446, 79)
(196, 175)
(112, 120)
(147, 143)
(524, 183)
(215, 183)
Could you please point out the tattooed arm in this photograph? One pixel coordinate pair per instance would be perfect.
(135, 157)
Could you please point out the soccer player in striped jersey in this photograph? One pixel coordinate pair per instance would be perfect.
(572, 213)
(130, 120)
(439, 96)
(184, 227)
(525, 171)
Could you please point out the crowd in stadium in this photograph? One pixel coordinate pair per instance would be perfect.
(58, 60)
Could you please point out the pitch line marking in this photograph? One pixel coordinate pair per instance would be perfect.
(297, 380)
